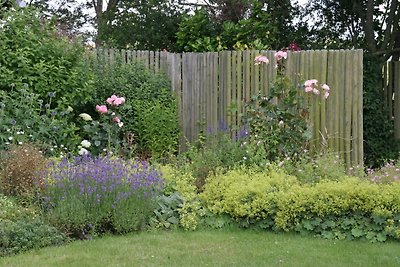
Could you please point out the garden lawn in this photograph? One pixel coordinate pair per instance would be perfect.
(212, 248)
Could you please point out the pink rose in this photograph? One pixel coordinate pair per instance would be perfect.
(111, 99)
(101, 109)
(308, 89)
(280, 54)
(326, 94)
(315, 91)
(261, 60)
(325, 87)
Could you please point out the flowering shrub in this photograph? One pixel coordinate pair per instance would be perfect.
(388, 173)
(150, 117)
(25, 117)
(278, 121)
(106, 133)
(99, 194)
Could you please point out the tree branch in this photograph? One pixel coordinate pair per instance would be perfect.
(389, 23)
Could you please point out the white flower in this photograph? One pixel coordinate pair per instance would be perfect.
(70, 109)
(85, 143)
(10, 138)
(85, 117)
(7, 143)
(8, 130)
(280, 123)
(20, 143)
(120, 124)
(244, 158)
(83, 151)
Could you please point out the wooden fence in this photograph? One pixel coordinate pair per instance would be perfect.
(208, 84)
(391, 90)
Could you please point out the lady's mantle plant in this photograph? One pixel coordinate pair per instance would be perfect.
(105, 134)
(279, 120)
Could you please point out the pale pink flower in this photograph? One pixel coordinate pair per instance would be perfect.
(119, 101)
(101, 109)
(308, 89)
(279, 55)
(261, 60)
(325, 87)
(315, 91)
(116, 119)
(115, 100)
(326, 94)
(111, 99)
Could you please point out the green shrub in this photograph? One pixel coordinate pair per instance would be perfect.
(31, 52)
(349, 208)
(245, 193)
(220, 151)
(183, 184)
(22, 235)
(10, 210)
(150, 111)
(19, 166)
(326, 166)
(25, 117)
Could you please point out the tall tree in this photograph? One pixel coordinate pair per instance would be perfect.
(370, 24)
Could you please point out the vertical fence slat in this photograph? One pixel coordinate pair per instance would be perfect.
(246, 75)
(233, 102)
(347, 108)
(323, 80)
(359, 86)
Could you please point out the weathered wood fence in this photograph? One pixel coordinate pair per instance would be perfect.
(391, 90)
(208, 84)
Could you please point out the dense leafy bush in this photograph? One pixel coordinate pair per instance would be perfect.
(380, 144)
(201, 32)
(350, 208)
(150, 111)
(88, 194)
(22, 235)
(25, 117)
(33, 53)
(22, 229)
(19, 166)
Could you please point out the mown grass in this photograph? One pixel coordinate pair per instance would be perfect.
(212, 248)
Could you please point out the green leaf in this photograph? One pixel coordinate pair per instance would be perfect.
(357, 232)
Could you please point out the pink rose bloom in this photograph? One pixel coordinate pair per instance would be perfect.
(119, 101)
(261, 60)
(280, 54)
(116, 119)
(111, 99)
(101, 109)
(315, 91)
(310, 83)
(326, 95)
(325, 87)
(308, 89)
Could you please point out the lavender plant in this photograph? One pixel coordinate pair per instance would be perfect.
(87, 194)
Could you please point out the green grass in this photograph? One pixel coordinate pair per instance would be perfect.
(212, 248)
